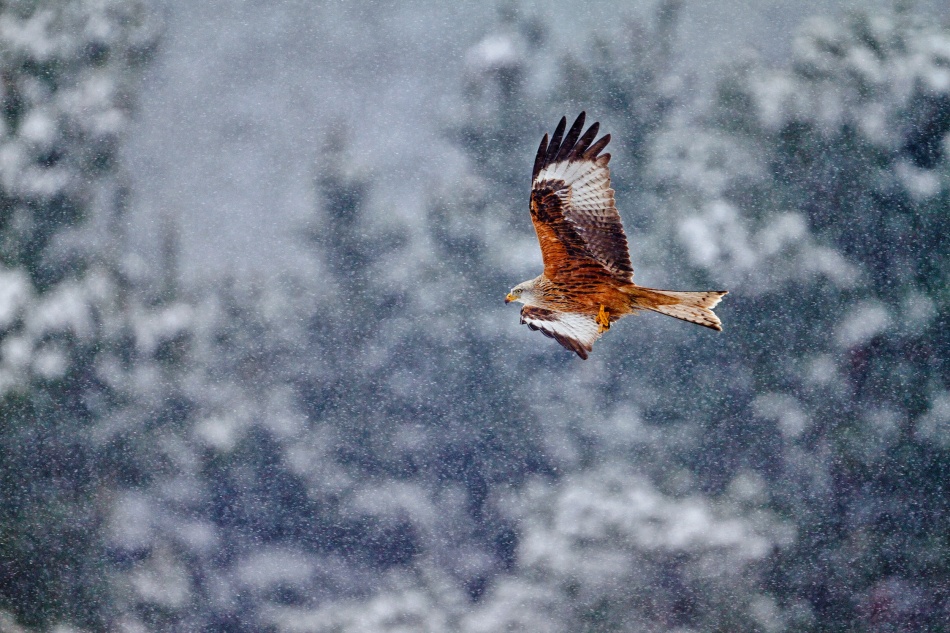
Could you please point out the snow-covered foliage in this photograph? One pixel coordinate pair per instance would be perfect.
(372, 443)
(603, 549)
(819, 192)
(68, 69)
(66, 74)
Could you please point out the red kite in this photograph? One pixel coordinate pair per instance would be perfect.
(587, 282)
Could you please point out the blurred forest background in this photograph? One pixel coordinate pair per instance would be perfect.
(363, 439)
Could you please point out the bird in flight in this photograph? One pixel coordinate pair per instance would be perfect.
(587, 283)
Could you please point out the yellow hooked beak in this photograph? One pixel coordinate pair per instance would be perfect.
(509, 298)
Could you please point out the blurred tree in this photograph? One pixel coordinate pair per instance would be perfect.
(822, 190)
(310, 440)
(603, 550)
(426, 407)
(373, 443)
(66, 73)
(546, 418)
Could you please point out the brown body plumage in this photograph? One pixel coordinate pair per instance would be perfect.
(587, 282)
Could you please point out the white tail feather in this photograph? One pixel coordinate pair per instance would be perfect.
(695, 307)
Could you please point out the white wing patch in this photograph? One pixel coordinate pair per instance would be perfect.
(576, 332)
(576, 173)
(589, 184)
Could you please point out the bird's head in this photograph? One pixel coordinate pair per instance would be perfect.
(522, 293)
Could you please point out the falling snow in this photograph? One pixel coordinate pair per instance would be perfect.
(256, 372)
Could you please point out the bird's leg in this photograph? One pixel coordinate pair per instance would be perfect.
(603, 319)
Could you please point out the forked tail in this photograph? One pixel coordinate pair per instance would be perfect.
(695, 307)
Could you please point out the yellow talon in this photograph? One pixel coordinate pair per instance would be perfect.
(603, 319)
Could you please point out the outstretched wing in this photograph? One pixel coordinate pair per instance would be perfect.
(576, 332)
(572, 205)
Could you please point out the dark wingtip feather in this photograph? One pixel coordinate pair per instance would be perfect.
(567, 146)
(585, 141)
(555, 144)
(597, 147)
(573, 146)
(539, 159)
